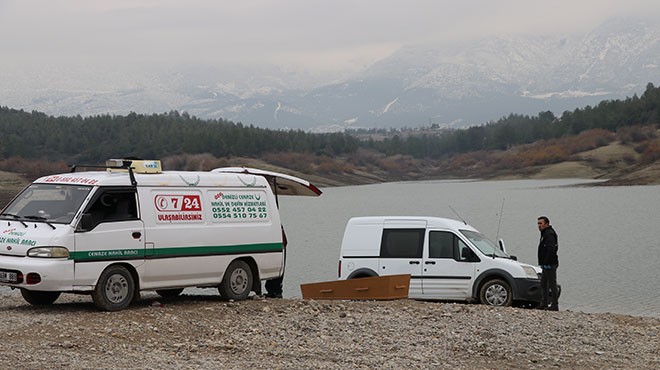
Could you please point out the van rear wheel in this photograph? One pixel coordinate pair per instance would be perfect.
(237, 282)
(39, 298)
(496, 292)
(114, 290)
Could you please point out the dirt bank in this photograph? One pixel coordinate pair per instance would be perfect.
(204, 332)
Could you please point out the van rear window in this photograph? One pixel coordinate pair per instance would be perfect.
(402, 243)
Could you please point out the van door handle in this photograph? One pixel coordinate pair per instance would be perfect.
(430, 262)
(136, 235)
(413, 262)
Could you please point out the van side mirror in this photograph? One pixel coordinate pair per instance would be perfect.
(514, 258)
(502, 246)
(468, 255)
(86, 222)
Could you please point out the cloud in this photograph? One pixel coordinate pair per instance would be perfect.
(312, 33)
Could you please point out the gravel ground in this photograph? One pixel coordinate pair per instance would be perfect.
(204, 332)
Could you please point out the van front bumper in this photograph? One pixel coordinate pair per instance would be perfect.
(529, 290)
(56, 273)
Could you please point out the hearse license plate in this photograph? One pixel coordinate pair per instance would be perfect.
(8, 277)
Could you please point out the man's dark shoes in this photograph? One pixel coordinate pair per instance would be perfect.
(274, 295)
(553, 308)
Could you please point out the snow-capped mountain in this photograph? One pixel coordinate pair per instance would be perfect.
(449, 85)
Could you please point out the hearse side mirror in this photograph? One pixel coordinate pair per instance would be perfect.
(86, 222)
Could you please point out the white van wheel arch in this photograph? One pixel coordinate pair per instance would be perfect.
(362, 273)
(496, 292)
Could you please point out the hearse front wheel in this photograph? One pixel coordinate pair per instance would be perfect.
(496, 292)
(114, 290)
(237, 282)
(39, 298)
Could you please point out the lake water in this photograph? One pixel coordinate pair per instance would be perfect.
(609, 246)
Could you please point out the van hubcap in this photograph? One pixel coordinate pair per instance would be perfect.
(116, 289)
(496, 295)
(239, 281)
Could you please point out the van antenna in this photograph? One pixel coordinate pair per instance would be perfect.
(499, 223)
(459, 216)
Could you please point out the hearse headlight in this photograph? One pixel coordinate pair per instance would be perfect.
(48, 252)
(530, 272)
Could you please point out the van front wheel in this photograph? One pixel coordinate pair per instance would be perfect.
(496, 292)
(114, 290)
(237, 282)
(38, 298)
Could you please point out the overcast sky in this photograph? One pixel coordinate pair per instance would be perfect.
(323, 35)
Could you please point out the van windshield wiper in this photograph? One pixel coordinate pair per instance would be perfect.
(15, 217)
(39, 218)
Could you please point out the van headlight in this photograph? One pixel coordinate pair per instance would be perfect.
(48, 252)
(530, 272)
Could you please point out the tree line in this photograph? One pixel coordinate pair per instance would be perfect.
(517, 129)
(35, 135)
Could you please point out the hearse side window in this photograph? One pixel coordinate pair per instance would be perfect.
(402, 243)
(114, 205)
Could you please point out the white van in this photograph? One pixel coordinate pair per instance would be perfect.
(133, 227)
(447, 260)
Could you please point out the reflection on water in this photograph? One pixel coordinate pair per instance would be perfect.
(609, 248)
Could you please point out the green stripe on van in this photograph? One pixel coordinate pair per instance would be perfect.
(119, 254)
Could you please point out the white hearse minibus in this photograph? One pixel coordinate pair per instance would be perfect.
(447, 260)
(132, 227)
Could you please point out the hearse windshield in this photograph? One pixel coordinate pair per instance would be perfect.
(484, 244)
(50, 203)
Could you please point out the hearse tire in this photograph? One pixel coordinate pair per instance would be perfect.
(169, 293)
(237, 282)
(496, 292)
(115, 289)
(39, 298)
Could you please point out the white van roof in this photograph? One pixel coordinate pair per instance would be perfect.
(406, 221)
(281, 184)
(166, 178)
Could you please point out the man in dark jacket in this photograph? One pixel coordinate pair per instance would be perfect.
(548, 261)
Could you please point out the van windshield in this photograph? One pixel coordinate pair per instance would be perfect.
(52, 203)
(484, 244)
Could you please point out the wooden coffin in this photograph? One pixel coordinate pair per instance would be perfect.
(370, 288)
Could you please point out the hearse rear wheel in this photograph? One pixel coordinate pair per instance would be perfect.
(39, 298)
(496, 292)
(237, 282)
(114, 290)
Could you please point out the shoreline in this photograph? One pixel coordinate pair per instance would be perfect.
(205, 332)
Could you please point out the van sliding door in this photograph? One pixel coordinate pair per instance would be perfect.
(401, 253)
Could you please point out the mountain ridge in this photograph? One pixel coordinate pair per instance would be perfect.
(451, 85)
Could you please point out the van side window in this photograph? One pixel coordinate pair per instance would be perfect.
(441, 244)
(444, 244)
(402, 243)
(114, 205)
